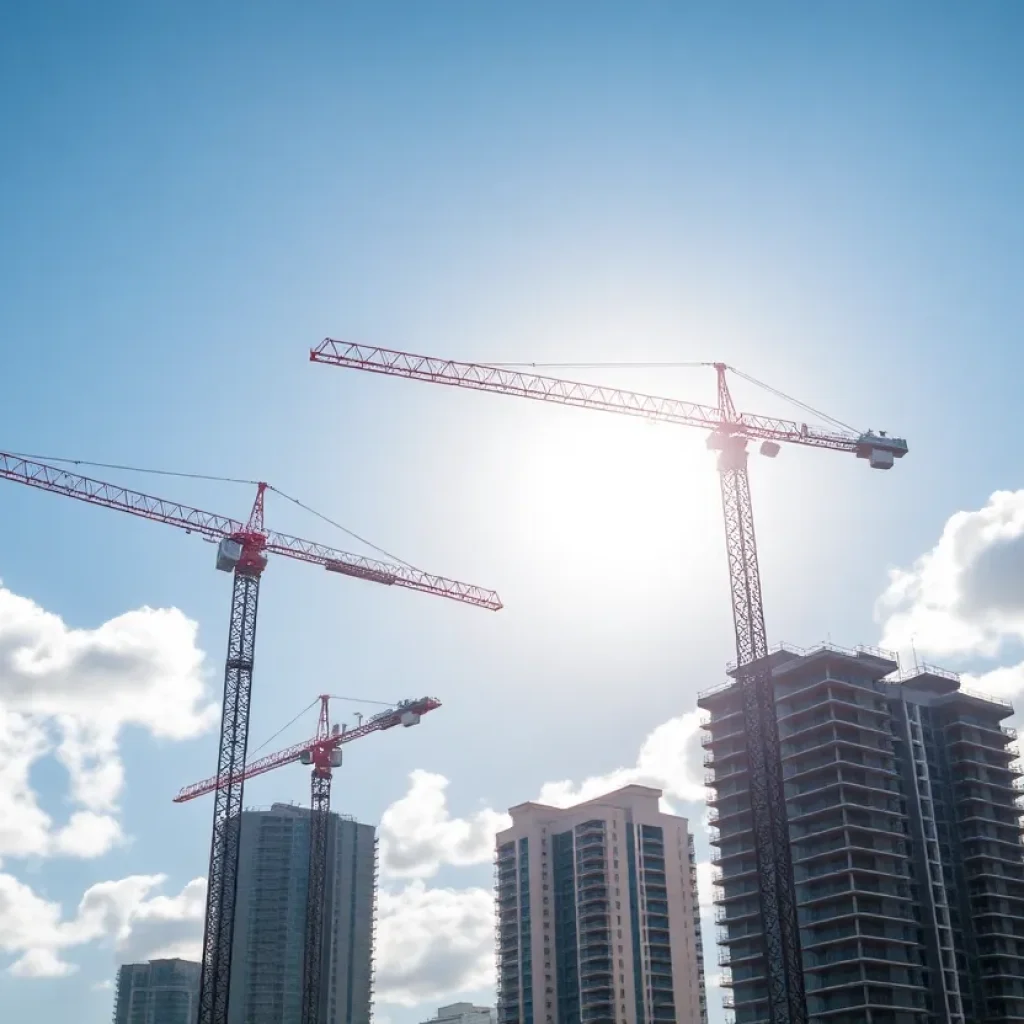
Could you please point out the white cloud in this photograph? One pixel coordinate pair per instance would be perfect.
(128, 914)
(24, 826)
(87, 834)
(70, 693)
(418, 834)
(41, 963)
(705, 884)
(965, 596)
(1005, 681)
(433, 943)
(167, 926)
(669, 760)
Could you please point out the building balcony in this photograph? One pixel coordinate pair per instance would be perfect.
(737, 912)
(853, 739)
(811, 895)
(729, 851)
(820, 936)
(719, 757)
(732, 828)
(712, 696)
(716, 798)
(982, 817)
(800, 768)
(853, 699)
(732, 893)
(717, 815)
(865, 998)
(806, 836)
(726, 731)
(731, 769)
(841, 910)
(845, 723)
(737, 870)
(997, 870)
(722, 715)
(742, 931)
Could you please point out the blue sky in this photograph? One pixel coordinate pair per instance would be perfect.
(826, 196)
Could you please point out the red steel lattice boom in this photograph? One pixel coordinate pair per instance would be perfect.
(242, 550)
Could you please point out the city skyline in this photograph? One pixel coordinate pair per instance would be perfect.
(825, 198)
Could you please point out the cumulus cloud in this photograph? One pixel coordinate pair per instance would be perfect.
(87, 834)
(418, 833)
(1005, 681)
(433, 943)
(166, 926)
(130, 915)
(705, 884)
(965, 596)
(70, 693)
(670, 759)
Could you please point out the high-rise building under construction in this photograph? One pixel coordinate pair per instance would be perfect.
(901, 799)
(269, 936)
(159, 992)
(597, 915)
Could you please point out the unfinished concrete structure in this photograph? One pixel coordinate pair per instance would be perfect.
(901, 797)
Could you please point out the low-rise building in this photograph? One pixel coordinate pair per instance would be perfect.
(464, 1013)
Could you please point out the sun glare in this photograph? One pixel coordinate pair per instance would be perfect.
(625, 501)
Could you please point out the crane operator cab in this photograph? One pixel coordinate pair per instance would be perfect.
(879, 449)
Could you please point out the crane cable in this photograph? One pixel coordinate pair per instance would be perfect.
(218, 479)
(308, 707)
(681, 365)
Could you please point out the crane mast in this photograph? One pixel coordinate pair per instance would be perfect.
(323, 752)
(731, 431)
(242, 550)
(322, 759)
(222, 890)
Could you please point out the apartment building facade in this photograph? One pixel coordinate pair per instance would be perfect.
(157, 992)
(270, 917)
(597, 914)
(901, 796)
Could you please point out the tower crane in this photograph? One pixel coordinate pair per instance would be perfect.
(242, 549)
(730, 433)
(323, 752)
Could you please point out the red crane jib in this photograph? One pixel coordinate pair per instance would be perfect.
(250, 535)
(317, 745)
(481, 377)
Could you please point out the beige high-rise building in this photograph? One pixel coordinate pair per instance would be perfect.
(597, 914)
